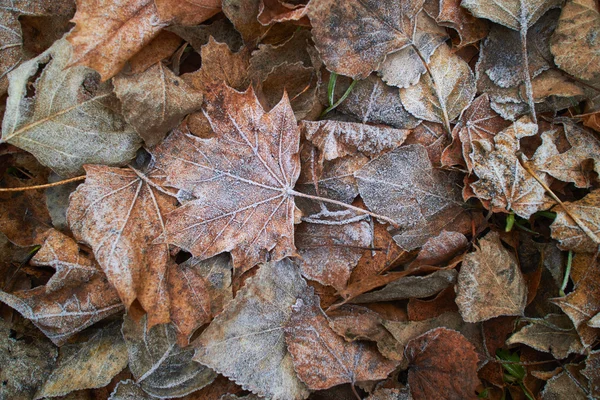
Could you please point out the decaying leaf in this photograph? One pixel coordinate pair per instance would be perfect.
(160, 366)
(161, 47)
(72, 119)
(566, 385)
(120, 213)
(324, 359)
(102, 356)
(155, 101)
(240, 181)
(78, 296)
(187, 12)
(490, 283)
(129, 390)
(569, 234)
(592, 372)
(442, 364)
(272, 11)
(449, 13)
(246, 341)
(440, 249)
(403, 185)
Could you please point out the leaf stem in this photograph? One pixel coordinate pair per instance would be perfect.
(45, 186)
(567, 274)
(342, 204)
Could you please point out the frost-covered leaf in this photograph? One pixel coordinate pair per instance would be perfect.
(72, 119)
(129, 390)
(566, 385)
(353, 37)
(441, 96)
(272, 11)
(449, 13)
(239, 181)
(102, 357)
(75, 298)
(338, 139)
(155, 101)
(569, 233)
(514, 14)
(246, 341)
(160, 366)
(187, 12)
(324, 359)
(573, 44)
(120, 213)
(490, 283)
(592, 372)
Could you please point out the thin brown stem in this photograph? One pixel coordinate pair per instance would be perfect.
(342, 204)
(354, 391)
(45, 186)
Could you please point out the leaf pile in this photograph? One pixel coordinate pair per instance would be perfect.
(300, 199)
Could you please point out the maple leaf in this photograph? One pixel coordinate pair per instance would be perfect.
(354, 37)
(324, 359)
(119, 213)
(569, 233)
(490, 283)
(69, 104)
(240, 181)
(246, 341)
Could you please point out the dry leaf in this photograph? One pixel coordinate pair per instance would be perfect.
(155, 101)
(490, 283)
(129, 390)
(443, 95)
(161, 367)
(553, 334)
(120, 214)
(336, 139)
(102, 357)
(246, 341)
(449, 13)
(109, 32)
(514, 14)
(442, 364)
(77, 296)
(161, 47)
(243, 14)
(403, 185)
(440, 249)
(573, 46)
(272, 11)
(221, 30)
(592, 372)
(71, 120)
(433, 137)
(324, 359)
(566, 385)
(443, 302)
(354, 37)
(569, 234)
(187, 12)
(239, 181)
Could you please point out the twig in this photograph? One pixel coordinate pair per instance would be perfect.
(45, 186)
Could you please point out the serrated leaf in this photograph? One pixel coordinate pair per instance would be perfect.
(569, 233)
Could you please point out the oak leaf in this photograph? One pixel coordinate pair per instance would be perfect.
(324, 359)
(354, 37)
(246, 341)
(119, 213)
(490, 283)
(569, 234)
(239, 181)
(72, 119)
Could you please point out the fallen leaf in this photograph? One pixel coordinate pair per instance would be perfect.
(449, 13)
(423, 309)
(553, 334)
(442, 363)
(272, 11)
(490, 283)
(161, 367)
(129, 390)
(108, 33)
(390, 394)
(120, 213)
(443, 95)
(440, 249)
(71, 120)
(240, 181)
(243, 14)
(221, 386)
(246, 341)
(324, 359)
(161, 47)
(569, 234)
(336, 139)
(102, 357)
(433, 137)
(592, 372)
(187, 12)
(566, 385)
(571, 44)
(155, 101)
(69, 302)
(402, 185)
(221, 30)
(354, 37)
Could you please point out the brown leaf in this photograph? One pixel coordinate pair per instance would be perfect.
(102, 357)
(592, 372)
(155, 101)
(199, 289)
(187, 12)
(440, 249)
(449, 13)
(443, 364)
(161, 367)
(569, 234)
(161, 47)
(566, 385)
(246, 341)
(119, 214)
(514, 14)
(221, 386)
(239, 181)
(424, 201)
(129, 390)
(272, 11)
(571, 46)
(490, 283)
(336, 139)
(433, 137)
(323, 359)
(354, 37)
(69, 302)
(443, 302)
